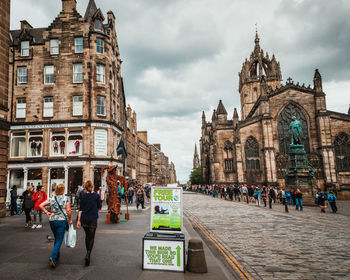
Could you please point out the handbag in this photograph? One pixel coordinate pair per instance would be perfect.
(70, 237)
(67, 225)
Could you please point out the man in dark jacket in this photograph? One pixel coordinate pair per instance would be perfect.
(271, 196)
(237, 192)
(14, 196)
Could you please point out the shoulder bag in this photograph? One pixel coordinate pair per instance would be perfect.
(67, 225)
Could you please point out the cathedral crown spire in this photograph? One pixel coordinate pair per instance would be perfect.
(257, 45)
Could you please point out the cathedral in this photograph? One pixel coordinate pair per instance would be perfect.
(253, 148)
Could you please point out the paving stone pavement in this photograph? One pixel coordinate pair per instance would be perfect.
(271, 244)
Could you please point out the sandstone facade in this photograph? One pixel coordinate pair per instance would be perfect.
(4, 74)
(67, 100)
(254, 149)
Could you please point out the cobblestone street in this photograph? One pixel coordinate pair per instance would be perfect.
(271, 244)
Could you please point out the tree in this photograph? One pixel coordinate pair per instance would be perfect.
(196, 176)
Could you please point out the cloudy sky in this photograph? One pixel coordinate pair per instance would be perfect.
(181, 56)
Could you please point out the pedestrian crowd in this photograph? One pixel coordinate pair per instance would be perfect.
(263, 195)
(88, 199)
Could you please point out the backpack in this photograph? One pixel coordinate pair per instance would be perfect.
(288, 194)
(331, 197)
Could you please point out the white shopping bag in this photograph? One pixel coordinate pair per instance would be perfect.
(70, 237)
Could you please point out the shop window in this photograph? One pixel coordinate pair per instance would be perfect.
(100, 74)
(75, 141)
(101, 105)
(35, 144)
(77, 73)
(54, 46)
(56, 178)
(35, 177)
(21, 108)
(25, 48)
(58, 143)
(97, 177)
(18, 144)
(22, 75)
(79, 45)
(75, 179)
(48, 107)
(49, 75)
(16, 178)
(77, 105)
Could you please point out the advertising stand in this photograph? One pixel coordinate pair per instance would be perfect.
(163, 248)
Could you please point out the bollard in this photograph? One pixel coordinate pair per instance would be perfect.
(196, 259)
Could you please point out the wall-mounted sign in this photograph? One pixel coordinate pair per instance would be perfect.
(166, 209)
(163, 254)
(100, 142)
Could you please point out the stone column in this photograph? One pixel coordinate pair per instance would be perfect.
(66, 153)
(44, 178)
(66, 169)
(26, 144)
(49, 190)
(25, 178)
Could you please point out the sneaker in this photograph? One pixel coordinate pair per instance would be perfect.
(39, 226)
(34, 226)
(52, 263)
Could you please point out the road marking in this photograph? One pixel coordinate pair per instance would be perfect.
(231, 260)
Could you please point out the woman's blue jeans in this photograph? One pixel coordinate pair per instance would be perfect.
(58, 229)
(299, 203)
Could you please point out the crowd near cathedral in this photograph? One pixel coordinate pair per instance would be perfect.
(63, 106)
(253, 148)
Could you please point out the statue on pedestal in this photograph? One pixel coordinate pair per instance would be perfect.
(295, 131)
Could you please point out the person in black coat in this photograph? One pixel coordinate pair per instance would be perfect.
(28, 204)
(14, 196)
(90, 204)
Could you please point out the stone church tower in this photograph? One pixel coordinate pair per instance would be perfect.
(259, 70)
(196, 163)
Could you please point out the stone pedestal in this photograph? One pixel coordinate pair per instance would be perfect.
(298, 175)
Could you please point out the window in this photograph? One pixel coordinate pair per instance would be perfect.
(25, 48)
(54, 48)
(101, 103)
(21, 108)
(252, 158)
(100, 46)
(342, 152)
(75, 140)
(35, 144)
(77, 105)
(98, 24)
(48, 107)
(58, 143)
(49, 76)
(284, 120)
(100, 73)
(18, 144)
(228, 156)
(78, 43)
(22, 75)
(77, 73)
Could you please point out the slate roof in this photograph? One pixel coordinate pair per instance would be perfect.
(90, 10)
(35, 33)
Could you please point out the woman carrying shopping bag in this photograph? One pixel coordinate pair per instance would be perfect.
(90, 204)
(59, 217)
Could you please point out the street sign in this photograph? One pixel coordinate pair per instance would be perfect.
(161, 254)
(166, 209)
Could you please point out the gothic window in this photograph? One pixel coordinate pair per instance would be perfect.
(228, 157)
(342, 152)
(252, 158)
(284, 120)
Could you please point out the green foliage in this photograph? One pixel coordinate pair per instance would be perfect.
(196, 176)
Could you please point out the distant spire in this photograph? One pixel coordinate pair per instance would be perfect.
(196, 162)
(195, 149)
(257, 40)
(221, 109)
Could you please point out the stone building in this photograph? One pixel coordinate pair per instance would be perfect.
(254, 149)
(4, 75)
(131, 143)
(143, 165)
(66, 92)
(196, 162)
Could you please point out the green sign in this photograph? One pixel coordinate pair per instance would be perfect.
(166, 209)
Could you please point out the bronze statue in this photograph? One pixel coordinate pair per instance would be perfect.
(295, 132)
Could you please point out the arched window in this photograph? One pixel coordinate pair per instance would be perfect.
(228, 157)
(342, 152)
(284, 120)
(252, 158)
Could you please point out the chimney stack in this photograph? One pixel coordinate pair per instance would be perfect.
(69, 5)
